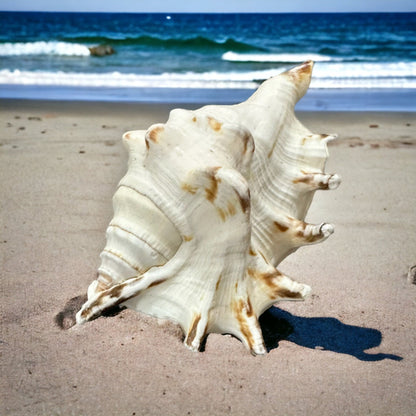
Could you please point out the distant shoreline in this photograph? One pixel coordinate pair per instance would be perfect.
(315, 100)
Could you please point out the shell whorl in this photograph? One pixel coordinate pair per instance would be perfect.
(213, 200)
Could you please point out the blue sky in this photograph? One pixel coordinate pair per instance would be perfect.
(211, 5)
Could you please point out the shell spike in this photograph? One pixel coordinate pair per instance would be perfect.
(334, 181)
(301, 77)
(249, 328)
(272, 286)
(134, 142)
(329, 137)
(293, 233)
(196, 332)
(128, 136)
(314, 233)
(313, 181)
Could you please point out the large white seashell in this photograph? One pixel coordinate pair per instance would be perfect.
(212, 202)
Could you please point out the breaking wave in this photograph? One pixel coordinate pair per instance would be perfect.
(274, 57)
(43, 48)
(325, 75)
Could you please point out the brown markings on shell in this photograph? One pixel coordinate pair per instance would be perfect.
(304, 179)
(249, 308)
(247, 138)
(212, 189)
(263, 276)
(252, 252)
(189, 188)
(302, 71)
(218, 282)
(112, 292)
(300, 224)
(156, 283)
(310, 136)
(308, 179)
(116, 291)
(187, 237)
(268, 278)
(300, 74)
(287, 294)
(214, 123)
(281, 227)
(323, 185)
(304, 139)
(85, 313)
(231, 209)
(154, 133)
(239, 307)
(244, 201)
(263, 256)
(192, 330)
(222, 214)
(311, 238)
(101, 286)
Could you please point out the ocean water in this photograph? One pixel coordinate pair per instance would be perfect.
(203, 56)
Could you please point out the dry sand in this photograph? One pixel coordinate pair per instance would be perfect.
(347, 350)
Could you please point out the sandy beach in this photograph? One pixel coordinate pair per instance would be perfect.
(349, 349)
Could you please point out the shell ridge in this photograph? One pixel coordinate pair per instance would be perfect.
(172, 211)
(145, 239)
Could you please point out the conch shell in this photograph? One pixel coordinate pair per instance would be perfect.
(212, 202)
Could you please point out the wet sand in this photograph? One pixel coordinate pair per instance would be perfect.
(349, 349)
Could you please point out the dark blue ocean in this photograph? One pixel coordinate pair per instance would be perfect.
(197, 57)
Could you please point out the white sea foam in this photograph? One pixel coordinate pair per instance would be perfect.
(43, 48)
(325, 75)
(120, 80)
(273, 57)
(367, 70)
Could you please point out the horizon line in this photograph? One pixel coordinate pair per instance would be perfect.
(204, 12)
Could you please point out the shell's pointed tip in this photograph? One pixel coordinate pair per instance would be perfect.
(79, 320)
(326, 230)
(306, 291)
(329, 137)
(308, 64)
(304, 69)
(190, 347)
(334, 181)
(300, 76)
(133, 135)
(258, 350)
(127, 135)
